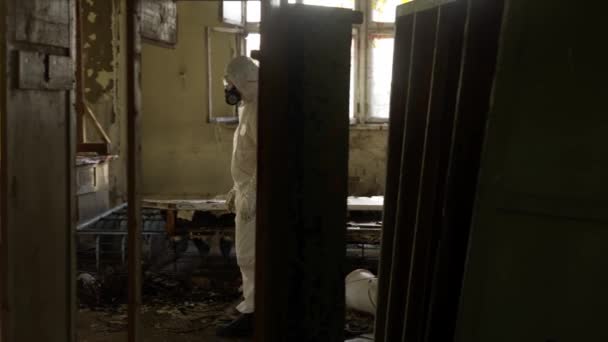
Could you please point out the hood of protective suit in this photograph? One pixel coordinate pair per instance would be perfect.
(242, 72)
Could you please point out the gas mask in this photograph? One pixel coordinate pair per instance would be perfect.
(231, 94)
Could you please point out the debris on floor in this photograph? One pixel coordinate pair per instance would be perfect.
(169, 305)
(358, 323)
(191, 280)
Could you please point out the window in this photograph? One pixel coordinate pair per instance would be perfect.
(254, 11)
(232, 12)
(384, 11)
(380, 75)
(379, 25)
(222, 44)
(252, 43)
(371, 56)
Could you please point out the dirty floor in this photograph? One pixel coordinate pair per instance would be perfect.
(192, 323)
(158, 326)
(170, 311)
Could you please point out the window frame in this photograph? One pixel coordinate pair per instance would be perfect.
(239, 35)
(371, 28)
(243, 21)
(361, 37)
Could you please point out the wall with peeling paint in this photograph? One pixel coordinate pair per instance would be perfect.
(104, 69)
(183, 155)
(367, 162)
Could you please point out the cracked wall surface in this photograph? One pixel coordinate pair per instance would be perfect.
(104, 69)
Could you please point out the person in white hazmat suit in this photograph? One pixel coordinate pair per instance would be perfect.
(241, 89)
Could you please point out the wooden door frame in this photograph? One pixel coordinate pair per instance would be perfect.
(134, 179)
(70, 189)
(3, 169)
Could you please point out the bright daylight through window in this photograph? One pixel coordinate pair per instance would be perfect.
(372, 52)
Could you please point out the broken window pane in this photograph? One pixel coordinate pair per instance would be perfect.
(384, 11)
(232, 12)
(252, 43)
(380, 75)
(254, 11)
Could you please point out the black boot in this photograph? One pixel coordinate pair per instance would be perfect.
(240, 327)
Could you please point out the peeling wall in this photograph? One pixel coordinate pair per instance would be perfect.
(104, 69)
(367, 162)
(183, 155)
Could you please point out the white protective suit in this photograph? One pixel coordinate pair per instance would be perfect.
(242, 72)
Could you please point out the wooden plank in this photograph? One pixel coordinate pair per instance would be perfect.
(411, 161)
(72, 212)
(98, 127)
(202, 205)
(43, 22)
(484, 22)
(304, 81)
(536, 261)
(439, 129)
(134, 170)
(41, 71)
(4, 260)
(32, 70)
(79, 75)
(37, 260)
(399, 90)
(33, 198)
(353, 204)
(170, 227)
(61, 72)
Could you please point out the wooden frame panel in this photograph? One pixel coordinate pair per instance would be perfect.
(425, 24)
(440, 118)
(135, 333)
(481, 40)
(4, 83)
(428, 241)
(302, 174)
(38, 260)
(399, 90)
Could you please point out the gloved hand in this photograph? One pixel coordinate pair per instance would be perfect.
(230, 201)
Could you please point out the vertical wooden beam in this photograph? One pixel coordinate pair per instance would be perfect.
(438, 133)
(72, 143)
(170, 222)
(443, 133)
(134, 170)
(80, 126)
(3, 174)
(302, 174)
(411, 160)
(481, 41)
(37, 265)
(399, 89)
